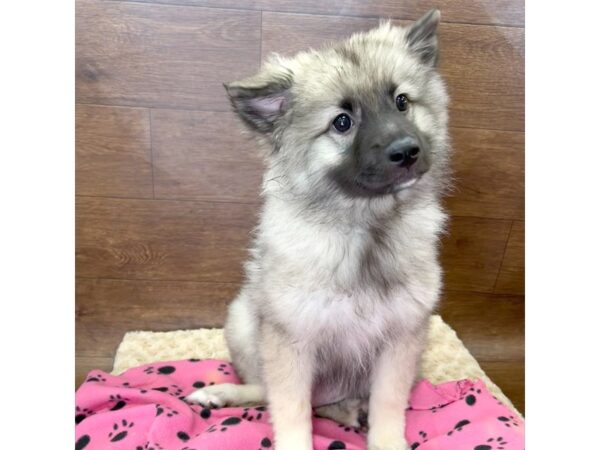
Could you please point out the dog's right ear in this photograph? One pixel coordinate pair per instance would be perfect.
(262, 100)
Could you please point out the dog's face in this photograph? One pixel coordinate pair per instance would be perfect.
(365, 118)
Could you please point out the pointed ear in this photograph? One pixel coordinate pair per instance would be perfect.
(421, 37)
(262, 100)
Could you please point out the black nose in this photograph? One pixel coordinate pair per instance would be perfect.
(403, 152)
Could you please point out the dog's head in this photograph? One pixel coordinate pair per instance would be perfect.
(364, 118)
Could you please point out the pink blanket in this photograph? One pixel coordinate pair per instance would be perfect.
(143, 409)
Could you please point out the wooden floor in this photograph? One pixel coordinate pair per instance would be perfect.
(167, 187)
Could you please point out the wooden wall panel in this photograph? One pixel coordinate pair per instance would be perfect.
(494, 12)
(483, 66)
(472, 253)
(511, 279)
(489, 173)
(162, 240)
(203, 155)
(160, 55)
(112, 151)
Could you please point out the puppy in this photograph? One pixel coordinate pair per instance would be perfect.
(344, 271)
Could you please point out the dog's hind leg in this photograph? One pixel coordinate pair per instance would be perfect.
(350, 412)
(228, 394)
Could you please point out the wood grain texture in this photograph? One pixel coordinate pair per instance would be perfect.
(511, 279)
(491, 326)
(202, 155)
(107, 309)
(472, 253)
(162, 240)
(483, 66)
(489, 172)
(494, 12)
(161, 55)
(112, 151)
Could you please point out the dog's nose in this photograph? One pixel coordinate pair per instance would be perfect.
(403, 152)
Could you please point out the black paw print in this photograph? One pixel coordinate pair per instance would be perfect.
(223, 368)
(509, 421)
(347, 428)
(492, 444)
(471, 398)
(265, 443)
(82, 413)
(120, 431)
(199, 384)
(119, 402)
(459, 426)
(182, 435)
(173, 390)
(205, 413)
(230, 421)
(194, 360)
(253, 413)
(82, 442)
(163, 370)
(336, 445)
(149, 446)
(170, 412)
(422, 439)
(97, 377)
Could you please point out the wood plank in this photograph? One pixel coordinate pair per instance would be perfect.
(489, 172)
(204, 155)
(162, 240)
(160, 55)
(511, 279)
(495, 12)
(510, 377)
(491, 326)
(107, 309)
(472, 253)
(112, 151)
(483, 66)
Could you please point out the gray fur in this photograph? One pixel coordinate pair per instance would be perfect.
(344, 271)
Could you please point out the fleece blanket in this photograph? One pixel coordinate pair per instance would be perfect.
(144, 409)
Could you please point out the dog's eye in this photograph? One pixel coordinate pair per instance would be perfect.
(402, 102)
(342, 123)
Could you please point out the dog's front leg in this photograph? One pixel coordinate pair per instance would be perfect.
(394, 374)
(287, 373)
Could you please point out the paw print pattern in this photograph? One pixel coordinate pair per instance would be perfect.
(119, 402)
(169, 412)
(335, 445)
(347, 429)
(81, 414)
(470, 399)
(265, 443)
(173, 390)
(492, 444)
(82, 442)
(163, 370)
(459, 426)
(120, 431)
(509, 421)
(230, 421)
(250, 414)
(149, 446)
(96, 377)
(224, 369)
(422, 439)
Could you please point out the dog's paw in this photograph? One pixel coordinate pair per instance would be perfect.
(387, 442)
(215, 396)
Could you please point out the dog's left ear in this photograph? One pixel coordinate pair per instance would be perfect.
(421, 37)
(262, 100)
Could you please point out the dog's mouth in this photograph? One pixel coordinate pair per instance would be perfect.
(399, 182)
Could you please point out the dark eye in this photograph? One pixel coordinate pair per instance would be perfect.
(342, 123)
(402, 102)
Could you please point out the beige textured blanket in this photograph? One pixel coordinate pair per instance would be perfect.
(445, 359)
